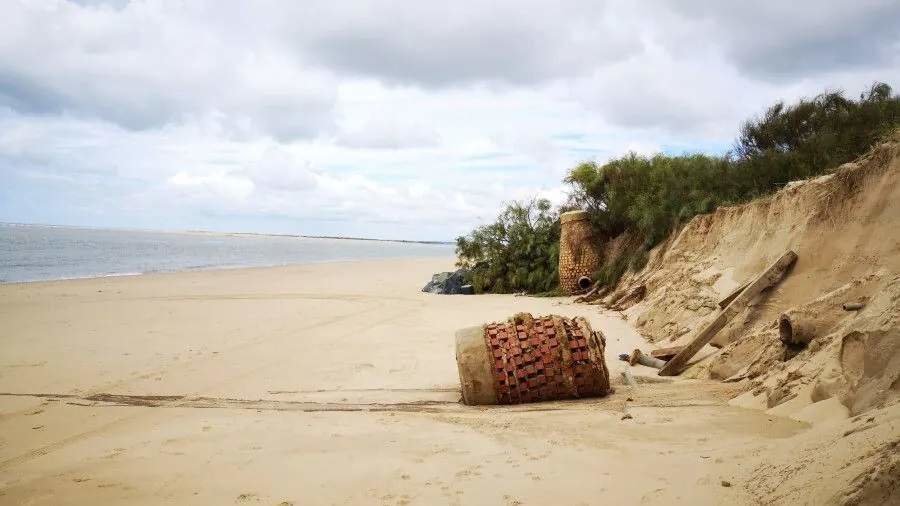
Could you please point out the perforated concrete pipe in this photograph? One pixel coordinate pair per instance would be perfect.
(579, 250)
(527, 359)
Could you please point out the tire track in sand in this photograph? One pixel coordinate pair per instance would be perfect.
(49, 448)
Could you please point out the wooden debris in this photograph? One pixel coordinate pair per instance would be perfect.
(590, 295)
(638, 357)
(597, 298)
(636, 295)
(769, 277)
(666, 353)
(730, 297)
(633, 358)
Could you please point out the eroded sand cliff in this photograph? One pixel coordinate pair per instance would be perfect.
(845, 228)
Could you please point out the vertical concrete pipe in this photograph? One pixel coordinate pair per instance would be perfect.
(527, 359)
(579, 250)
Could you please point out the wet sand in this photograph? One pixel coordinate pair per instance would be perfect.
(329, 384)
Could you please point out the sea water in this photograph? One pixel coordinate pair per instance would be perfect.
(38, 253)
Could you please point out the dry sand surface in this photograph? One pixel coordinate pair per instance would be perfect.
(336, 384)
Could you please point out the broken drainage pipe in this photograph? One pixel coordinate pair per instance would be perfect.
(584, 283)
(795, 328)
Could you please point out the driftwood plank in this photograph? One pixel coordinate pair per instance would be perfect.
(730, 297)
(769, 277)
(666, 353)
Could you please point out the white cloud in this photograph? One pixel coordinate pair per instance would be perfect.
(386, 133)
(277, 170)
(216, 187)
(380, 118)
(782, 41)
(150, 64)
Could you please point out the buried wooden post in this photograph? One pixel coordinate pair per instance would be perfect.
(769, 277)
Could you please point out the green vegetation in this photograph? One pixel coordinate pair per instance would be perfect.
(518, 252)
(647, 198)
(807, 139)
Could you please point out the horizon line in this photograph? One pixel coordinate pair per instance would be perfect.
(201, 231)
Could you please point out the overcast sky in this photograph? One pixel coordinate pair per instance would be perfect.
(386, 119)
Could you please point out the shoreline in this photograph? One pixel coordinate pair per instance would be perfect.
(222, 268)
(11, 224)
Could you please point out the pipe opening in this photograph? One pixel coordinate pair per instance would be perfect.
(792, 346)
(785, 330)
(585, 282)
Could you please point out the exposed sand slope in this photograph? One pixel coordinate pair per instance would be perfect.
(845, 227)
(336, 384)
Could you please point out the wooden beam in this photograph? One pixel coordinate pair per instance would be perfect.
(769, 277)
(730, 297)
(666, 353)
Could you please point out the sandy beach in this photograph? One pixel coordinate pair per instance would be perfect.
(332, 384)
(301, 253)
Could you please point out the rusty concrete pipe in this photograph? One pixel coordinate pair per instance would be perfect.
(527, 359)
(579, 250)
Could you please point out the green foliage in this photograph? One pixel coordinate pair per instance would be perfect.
(610, 272)
(631, 260)
(518, 252)
(649, 197)
(806, 139)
